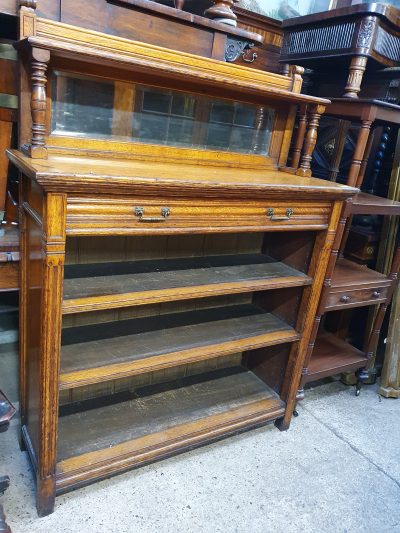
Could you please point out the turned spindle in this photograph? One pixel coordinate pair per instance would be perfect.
(40, 59)
(221, 11)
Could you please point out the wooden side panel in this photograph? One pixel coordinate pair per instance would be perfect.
(31, 304)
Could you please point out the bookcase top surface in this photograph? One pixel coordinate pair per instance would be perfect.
(71, 173)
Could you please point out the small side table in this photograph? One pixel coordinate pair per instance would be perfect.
(357, 33)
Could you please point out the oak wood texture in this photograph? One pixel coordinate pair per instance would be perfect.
(145, 345)
(78, 174)
(71, 189)
(160, 424)
(91, 287)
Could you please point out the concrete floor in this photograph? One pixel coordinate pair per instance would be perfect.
(337, 470)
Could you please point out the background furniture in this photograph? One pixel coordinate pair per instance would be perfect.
(192, 322)
(348, 285)
(353, 34)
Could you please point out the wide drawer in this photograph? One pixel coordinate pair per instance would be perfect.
(121, 215)
(355, 298)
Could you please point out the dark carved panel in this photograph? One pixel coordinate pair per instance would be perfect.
(336, 37)
(387, 45)
(366, 32)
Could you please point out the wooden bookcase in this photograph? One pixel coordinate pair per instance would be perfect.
(167, 292)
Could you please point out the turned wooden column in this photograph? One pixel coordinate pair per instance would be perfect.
(221, 11)
(301, 131)
(357, 68)
(40, 60)
(358, 156)
(340, 141)
(310, 141)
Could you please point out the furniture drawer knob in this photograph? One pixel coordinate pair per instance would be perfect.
(376, 294)
(165, 212)
(345, 299)
(270, 214)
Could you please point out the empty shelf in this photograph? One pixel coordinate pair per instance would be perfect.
(101, 352)
(331, 356)
(161, 420)
(112, 285)
(369, 204)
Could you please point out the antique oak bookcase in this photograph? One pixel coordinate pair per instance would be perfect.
(171, 263)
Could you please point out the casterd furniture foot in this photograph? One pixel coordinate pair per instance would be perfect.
(362, 376)
(356, 72)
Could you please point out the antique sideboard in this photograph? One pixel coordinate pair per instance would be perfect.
(161, 307)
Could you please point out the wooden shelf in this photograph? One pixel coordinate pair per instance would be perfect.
(111, 285)
(159, 421)
(369, 204)
(331, 356)
(101, 352)
(348, 274)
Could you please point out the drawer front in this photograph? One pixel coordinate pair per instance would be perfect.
(146, 215)
(354, 298)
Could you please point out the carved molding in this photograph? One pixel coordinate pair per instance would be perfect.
(365, 33)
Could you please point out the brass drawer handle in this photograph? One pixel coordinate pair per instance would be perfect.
(376, 294)
(165, 212)
(345, 299)
(270, 214)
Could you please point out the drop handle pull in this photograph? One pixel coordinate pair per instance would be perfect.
(345, 299)
(165, 212)
(376, 294)
(270, 214)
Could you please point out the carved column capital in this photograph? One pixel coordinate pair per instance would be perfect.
(221, 11)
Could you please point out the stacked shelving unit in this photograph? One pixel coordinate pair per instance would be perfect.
(169, 281)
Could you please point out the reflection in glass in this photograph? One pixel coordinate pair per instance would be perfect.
(88, 107)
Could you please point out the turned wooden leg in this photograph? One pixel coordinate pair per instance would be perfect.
(310, 141)
(340, 141)
(358, 156)
(356, 72)
(301, 131)
(221, 11)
